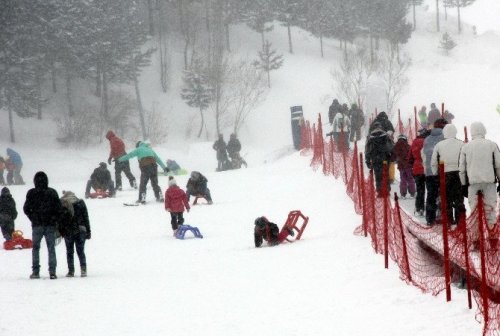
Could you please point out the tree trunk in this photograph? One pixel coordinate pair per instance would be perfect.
(69, 94)
(11, 120)
(321, 44)
(445, 13)
(459, 21)
(202, 123)
(162, 50)
(414, 17)
(151, 18)
(209, 33)
(437, 15)
(105, 98)
(54, 79)
(269, 78)
(263, 40)
(290, 46)
(228, 40)
(372, 56)
(138, 99)
(38, 80)
(98, 83)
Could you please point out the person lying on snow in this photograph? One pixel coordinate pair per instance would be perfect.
(268, 231)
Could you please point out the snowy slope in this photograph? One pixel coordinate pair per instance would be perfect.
(143, 281)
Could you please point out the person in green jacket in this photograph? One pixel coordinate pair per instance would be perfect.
(148, 163)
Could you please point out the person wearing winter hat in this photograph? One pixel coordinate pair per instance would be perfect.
(378, 150)
(117, 151)
(76, 224)
(415, 160)
(198, 185)
(8, 213)
(100, 179)
(448, 152)
(175, 202)
(431, 179)
(400, 154)
(43, 208)
(434, 114)
(480, 170)
(148, 163)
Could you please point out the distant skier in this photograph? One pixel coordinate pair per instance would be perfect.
(8, 213)
(100, 179)
(268, 231)
(221, 149)
(197, 185)
(117, 151)
(175, 203)
(148, 162)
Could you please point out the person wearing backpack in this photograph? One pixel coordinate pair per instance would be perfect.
(340, 131)
(75, 228)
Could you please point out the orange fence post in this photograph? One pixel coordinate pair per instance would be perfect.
(385, 196)
(403, 238)
(363, 195)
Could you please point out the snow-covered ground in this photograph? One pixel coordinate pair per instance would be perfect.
(144, 281)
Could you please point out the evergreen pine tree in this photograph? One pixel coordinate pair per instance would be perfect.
(447, 43)
(268, 61)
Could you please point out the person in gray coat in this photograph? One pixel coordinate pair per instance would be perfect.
(431, 178)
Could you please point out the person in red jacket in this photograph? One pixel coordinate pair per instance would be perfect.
(175, 201)
(400, 154)
(415, 160)
(117, 151)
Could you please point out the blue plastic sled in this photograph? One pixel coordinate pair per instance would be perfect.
(181, 231)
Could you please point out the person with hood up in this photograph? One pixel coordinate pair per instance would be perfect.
(148, 163)
(197, 185)
(43, 208)
(415, 159)
(434, 114)
(400, 154)
(175, 203)
(384, 122)
(100, 180)
(75, 220)
(117, 151)
(334, 108)
(479, 170)
(340, 130)
(378, 150)
(17, 164)
(448, 152)
(431, 179)
(220, 148)
(8, 213)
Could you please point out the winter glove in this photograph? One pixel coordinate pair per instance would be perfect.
(87, 236)
(109, 161)
(465, 191)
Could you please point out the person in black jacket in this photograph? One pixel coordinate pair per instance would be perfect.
(75, 220)
(221, 149)
(270, 232)
(197, 185)
(383, 120)
(8, 213)
(100, 180)
(378, 150)
(43, 208)
(233, 149)
(334, 108)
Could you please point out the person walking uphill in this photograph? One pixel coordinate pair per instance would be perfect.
(378, 150)
(116, 152)
(8, 213)
(175, 202)
(148, 163)
(43, 208)
(17, 162)
(400, 153)
(480, 168)
(415, 159)
(75, 220)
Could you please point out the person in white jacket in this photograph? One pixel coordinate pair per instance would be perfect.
(480, 169)
(448, 152)
(341, 128)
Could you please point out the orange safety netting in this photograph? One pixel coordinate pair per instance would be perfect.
(430, 258)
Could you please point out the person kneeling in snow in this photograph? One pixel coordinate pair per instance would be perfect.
(265, 230)
(175, 202)
(100, 180)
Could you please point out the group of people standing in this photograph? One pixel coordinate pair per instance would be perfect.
(346, 123)
(232, 148)
(468, 167)
(13, 164)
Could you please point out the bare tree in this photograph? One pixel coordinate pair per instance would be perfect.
(353, 74)
(392, 71)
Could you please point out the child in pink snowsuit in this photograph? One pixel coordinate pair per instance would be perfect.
(400, 152)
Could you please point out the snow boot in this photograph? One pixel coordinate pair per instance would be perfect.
(70, 274)
(134, 184)
(84, 271)
(35, 275)
(53, 276)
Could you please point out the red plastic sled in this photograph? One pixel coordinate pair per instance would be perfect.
(17, 241)
(297, 222)
(99, 193)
